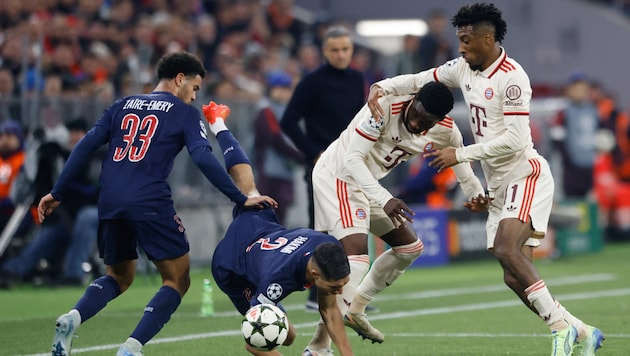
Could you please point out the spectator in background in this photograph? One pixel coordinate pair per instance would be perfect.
(435, 47)
(11, 160)
(55, 238)
(612, 166)
(427, 186)
(407, 60)
(283, 25)
(574, 137)
(275, 154)
(325, 101)
(9, 103)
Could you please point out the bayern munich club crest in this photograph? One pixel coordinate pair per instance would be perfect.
(360, 213)
(428, 147)
(489, 93)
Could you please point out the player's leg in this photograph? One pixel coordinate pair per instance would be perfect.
(405, 248)
(525, 215)
(117, 246)
(164, 241)
(342, 211)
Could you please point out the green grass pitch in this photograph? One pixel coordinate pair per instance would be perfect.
(460, 309)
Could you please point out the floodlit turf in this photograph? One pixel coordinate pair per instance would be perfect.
(461, 309)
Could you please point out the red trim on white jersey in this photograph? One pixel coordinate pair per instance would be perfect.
(435, 75)
(365, 135)
(397, 108)
(447, 122)
(504, 56)
(344, 204)
(517, 113)
(530, 187)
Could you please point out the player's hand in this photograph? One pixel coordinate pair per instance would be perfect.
(213, 111)
(372, 101)
(259, 201)
(398, 211)
(444, 158)
(47, 204)
(479, 203)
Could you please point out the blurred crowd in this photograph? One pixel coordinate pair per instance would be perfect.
(66, 60)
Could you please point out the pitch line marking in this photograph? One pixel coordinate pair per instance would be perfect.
(395, 315)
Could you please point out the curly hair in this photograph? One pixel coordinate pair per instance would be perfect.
(436, 98)
(332, 261)
(179, 62)
(481, 13)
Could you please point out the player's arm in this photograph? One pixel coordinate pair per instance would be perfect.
(468, 181)
(407, 84)
(331, 315)
(76, 162)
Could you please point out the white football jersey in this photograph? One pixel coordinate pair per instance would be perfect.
(498, 101)
(368, 149)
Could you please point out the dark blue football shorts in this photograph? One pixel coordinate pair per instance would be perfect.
(160, 239)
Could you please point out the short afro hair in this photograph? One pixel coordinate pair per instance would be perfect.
(169, 66)
(482, 13)
(436, 98)
(332, 261)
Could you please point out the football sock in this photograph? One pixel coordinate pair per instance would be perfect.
(232, 152)
(359, 265)
(96, 296)
(217, 126)
(133, 345)
(156, 314)
(385, 270)
(539, 296)
(321, 340)
(579, 324)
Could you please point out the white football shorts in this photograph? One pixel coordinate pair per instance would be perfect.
(525, 194)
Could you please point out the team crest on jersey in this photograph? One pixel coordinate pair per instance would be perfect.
(428, 147)
(274, 291)
(203, 131)
(360, 213)
(489, 93)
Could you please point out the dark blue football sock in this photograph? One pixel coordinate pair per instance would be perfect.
(96, 296)
(232, 152)
(156, 314)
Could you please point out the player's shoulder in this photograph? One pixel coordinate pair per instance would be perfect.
(395, 103)
(443, 127)
(510, 69)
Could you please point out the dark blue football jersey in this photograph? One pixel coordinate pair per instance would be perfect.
(258, 250)
(145, 134)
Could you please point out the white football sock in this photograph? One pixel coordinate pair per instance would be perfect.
(579, 324)
(359, 265)
(539, 296)
(385, 270)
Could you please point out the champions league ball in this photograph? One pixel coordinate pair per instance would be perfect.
(265, 327)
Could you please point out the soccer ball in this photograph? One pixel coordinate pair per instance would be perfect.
(265, 327)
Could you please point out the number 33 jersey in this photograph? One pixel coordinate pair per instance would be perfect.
(145, 134)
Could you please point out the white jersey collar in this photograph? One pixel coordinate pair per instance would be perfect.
(494, 67)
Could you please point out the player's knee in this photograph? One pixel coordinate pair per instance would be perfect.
(409, 252)
(290, 336)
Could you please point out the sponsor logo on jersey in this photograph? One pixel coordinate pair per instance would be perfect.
(203, 131)
(396, 139)
(361, 214)
(489, 93)
(274, 291)
(513, 92)
(512, 103)
(468, 87)
(511, 208)
(428, 147)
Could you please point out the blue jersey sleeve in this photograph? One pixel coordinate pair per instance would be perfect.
(208, 164)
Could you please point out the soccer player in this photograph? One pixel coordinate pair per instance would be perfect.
(260, 261)
(497, 92)
(350, 202)
(145, 133)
